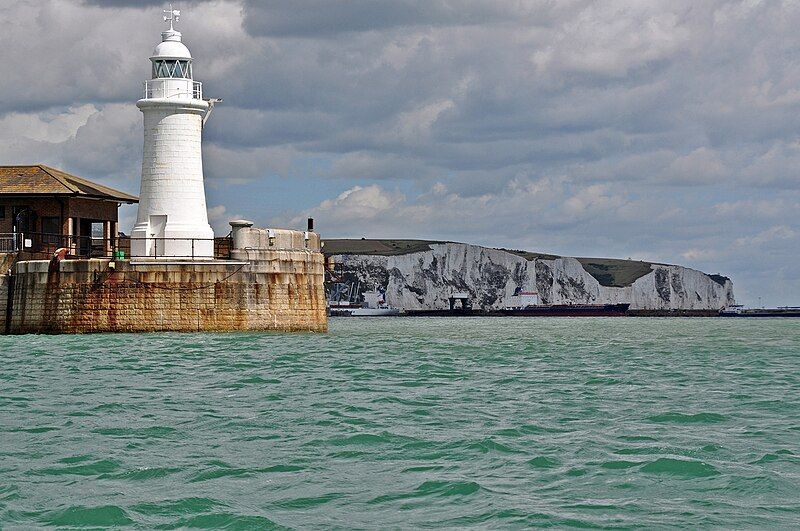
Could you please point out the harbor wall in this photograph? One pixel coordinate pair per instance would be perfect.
(276, 289)
(4, 279)
(6, 261)
(425, 280)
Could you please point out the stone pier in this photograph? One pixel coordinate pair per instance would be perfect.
(273, 281)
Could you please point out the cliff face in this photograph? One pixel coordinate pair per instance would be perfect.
(425, 278)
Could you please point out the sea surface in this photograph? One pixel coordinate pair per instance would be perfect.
(407, 423)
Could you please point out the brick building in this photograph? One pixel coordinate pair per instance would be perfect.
(51, 208)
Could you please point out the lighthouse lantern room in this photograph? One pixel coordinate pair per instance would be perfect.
(172, 220)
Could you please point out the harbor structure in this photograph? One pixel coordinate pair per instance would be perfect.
(172, 220)
(43, 209)
(175, 276)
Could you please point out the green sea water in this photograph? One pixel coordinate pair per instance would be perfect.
(407, 423)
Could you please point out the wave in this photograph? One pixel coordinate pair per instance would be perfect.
(680, 467)
(682, 418)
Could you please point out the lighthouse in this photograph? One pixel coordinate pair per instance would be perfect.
(172, 221)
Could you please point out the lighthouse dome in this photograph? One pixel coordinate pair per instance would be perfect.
(171, 47)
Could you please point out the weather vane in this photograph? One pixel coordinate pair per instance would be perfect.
(171, 15)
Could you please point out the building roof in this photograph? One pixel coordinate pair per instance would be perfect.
(44, 180)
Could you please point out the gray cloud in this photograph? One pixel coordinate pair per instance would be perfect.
(315, 18)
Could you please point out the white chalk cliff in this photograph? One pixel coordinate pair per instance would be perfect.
(425, 278)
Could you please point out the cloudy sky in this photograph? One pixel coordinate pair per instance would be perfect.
(666, 130)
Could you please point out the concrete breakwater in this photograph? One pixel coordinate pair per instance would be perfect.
(273, 281)
(422, 275)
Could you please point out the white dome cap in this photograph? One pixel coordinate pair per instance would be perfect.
(171, 46)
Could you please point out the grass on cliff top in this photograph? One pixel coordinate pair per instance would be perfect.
(609, 272)
(615, 273)
(529, 255)
(376, 247)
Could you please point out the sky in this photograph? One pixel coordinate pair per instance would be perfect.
(663, 130)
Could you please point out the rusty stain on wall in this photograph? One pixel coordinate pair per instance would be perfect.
(284, 292)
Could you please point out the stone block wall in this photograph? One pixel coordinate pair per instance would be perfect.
(3, 300)
(280, 291)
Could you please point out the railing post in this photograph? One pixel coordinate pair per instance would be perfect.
(192, 248)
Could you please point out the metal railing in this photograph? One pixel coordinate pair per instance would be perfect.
(164, 89)
(9, 242)
(43, 246)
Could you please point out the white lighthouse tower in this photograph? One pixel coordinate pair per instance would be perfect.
(172, 219)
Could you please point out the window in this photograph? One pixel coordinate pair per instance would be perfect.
(2, 212)
(23, 218)
(51, 225)
(169, 68)
(161, 68)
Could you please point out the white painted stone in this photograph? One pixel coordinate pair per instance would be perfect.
(172, 200)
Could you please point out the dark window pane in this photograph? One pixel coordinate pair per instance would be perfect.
(2, 212)
(24, 218)
(162, 69)
(51, 225)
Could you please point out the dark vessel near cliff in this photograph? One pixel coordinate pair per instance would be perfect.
(741, 311)
(568, 310)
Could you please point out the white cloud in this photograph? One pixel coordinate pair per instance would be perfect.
(772, 234)
(46, 126)
(218, 218)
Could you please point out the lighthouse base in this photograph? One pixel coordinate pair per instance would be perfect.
(153, 240)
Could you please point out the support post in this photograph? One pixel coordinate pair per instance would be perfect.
(114, 237)
(107, 237)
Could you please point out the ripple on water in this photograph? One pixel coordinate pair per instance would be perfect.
(438, 489)
(182, 506)
(491, 446)
(142, 474)
(37, 429)
(81, 516)
(103, 466)
(680, 467)
(619, 464)
(682, 418)
(221, 472)
(150, 432)
(229, 521)
(308, 501)
(543, 462)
